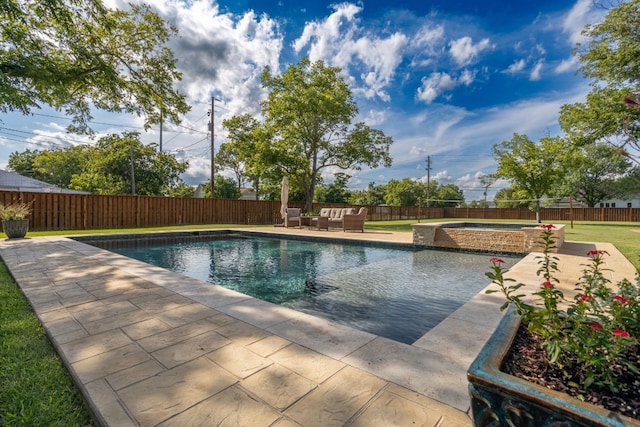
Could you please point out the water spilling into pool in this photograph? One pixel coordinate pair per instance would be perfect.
(396, 292)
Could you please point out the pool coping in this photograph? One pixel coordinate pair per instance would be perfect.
(434, 367)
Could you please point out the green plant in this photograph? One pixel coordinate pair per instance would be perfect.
(588, 337)
(15, 211)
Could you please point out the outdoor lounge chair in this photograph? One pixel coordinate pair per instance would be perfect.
(354, 221)
(293, 217)
(334, 216)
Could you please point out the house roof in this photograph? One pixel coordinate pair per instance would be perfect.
(10, 181)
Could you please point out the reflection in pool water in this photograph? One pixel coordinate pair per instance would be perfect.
(396, 292)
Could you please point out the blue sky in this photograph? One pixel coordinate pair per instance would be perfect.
(445, 79)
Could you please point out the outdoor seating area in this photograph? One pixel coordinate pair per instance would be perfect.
(337, 218)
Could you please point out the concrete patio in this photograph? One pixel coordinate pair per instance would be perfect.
(149, 347)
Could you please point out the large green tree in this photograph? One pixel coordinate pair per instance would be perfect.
(121, 164)
(373, 195)
(533, 169)
(592, 173)
(609, 58)
(225, 188)
(448, 195)
(308, 127)
(74, 54)
(248, 144)
(336, 192)
(117, 164)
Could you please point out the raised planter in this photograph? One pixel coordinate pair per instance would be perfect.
(499, 399)
(15, 228)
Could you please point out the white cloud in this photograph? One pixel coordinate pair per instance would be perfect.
(438, 83)
(339, 40)
(464, 52)
(581, 14)
(434, 85)
(567, 65)
(537, 70)
(516, 67)
(427, 38)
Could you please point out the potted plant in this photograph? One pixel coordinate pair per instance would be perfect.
(556, 361)
(15, 223)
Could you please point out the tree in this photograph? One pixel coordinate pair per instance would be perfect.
(182, 190)
(448, 195)
(594, 169)
(121, 164)
(372, 196)
(511, 197)
(308, 128)
(336, 192)
(404, 193)
(71, 54)
(247, 140)
(22, 163)
(532, 168)
(58, 166)
(228, 157)
(609, 57)
(225, 188)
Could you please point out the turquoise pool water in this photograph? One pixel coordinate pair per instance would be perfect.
(396, 292)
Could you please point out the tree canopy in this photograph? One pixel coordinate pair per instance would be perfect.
(307, 128)
(117, 164)
(533, 169)
(75, 54)
(593, 172)
(610, 59)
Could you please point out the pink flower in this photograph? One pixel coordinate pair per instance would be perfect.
(547, 226)
(547, 285)
(621, 333)
(496, 261)
(595, 325)
(620, 299)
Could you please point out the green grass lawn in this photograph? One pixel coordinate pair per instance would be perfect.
(36, 389)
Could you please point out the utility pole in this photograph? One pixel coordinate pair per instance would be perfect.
(428, 184)
(211, 128)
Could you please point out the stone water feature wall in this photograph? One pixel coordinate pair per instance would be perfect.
(518, 238)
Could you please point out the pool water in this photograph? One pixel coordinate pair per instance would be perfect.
(395, 292)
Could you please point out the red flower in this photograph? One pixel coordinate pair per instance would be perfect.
(595, 325)
(621, 333)
(584, 298)
(620, 299)
(547, 285)
(547, 226)
(597, 253)
(496, 261)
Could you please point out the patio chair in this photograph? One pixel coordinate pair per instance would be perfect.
(354, 221)
(293, 217)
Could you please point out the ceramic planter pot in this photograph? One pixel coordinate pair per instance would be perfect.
(15, 228)
(499, 399)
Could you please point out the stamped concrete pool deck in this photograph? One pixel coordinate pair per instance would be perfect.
(148, 347)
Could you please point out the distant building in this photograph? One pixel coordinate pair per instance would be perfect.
(247, 194)
(631, 202)
(10, 181)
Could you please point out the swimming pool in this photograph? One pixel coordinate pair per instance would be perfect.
(397, 292)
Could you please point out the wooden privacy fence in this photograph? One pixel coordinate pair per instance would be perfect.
(59, 211)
